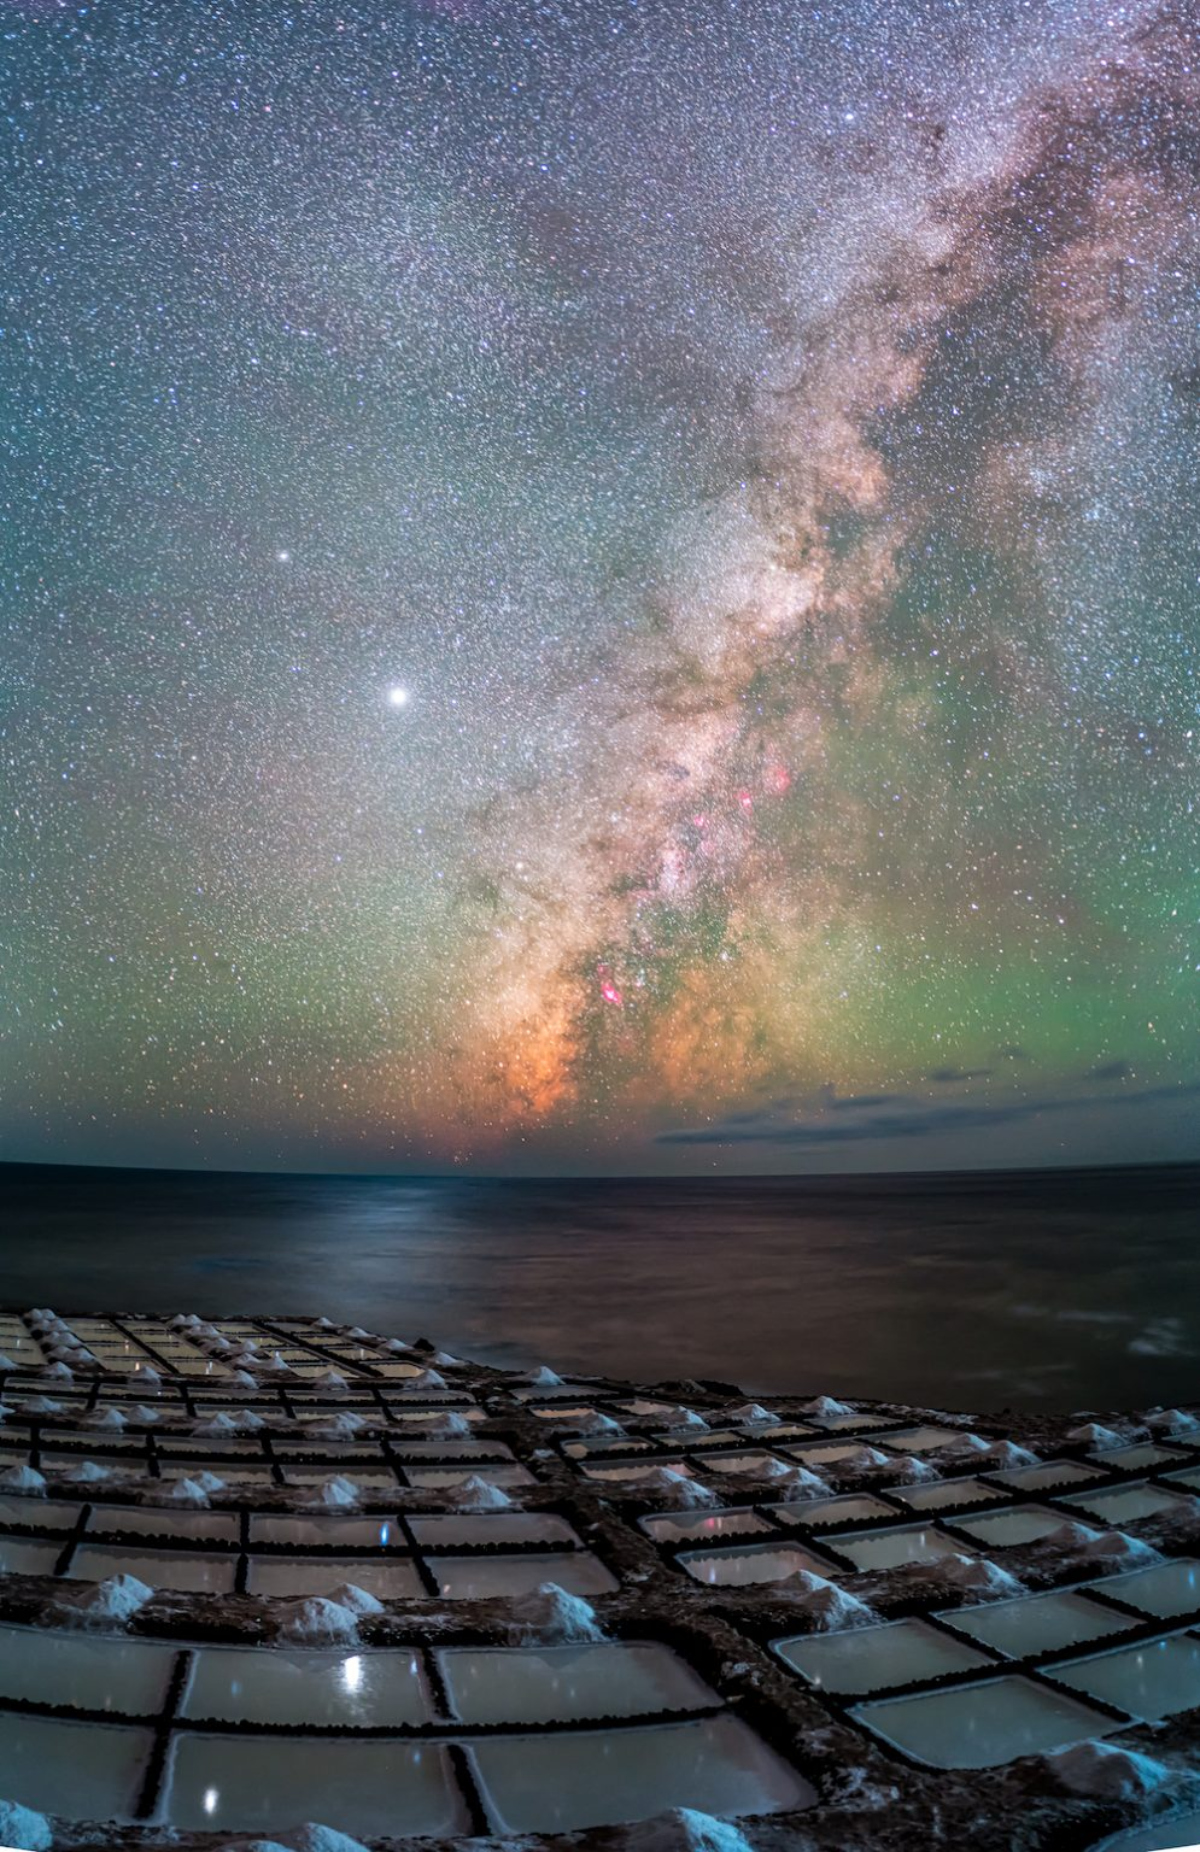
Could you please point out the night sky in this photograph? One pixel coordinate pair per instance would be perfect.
(599, 586)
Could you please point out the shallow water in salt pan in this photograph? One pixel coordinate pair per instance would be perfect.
(45, 1513)
(699, 1526)
(524, 1685)
(151, 1521)
(982, 1726)
(1038, 1623)
(1152, 1680)
(474, 1578)
(178, 1569)
(887, 1549)
(873, 1658)
(247, 1783)
(122, 1676)
(350, 1533)
(1141, 1456)
(820, 1512)
(1124, 1504)
(1019, 1524)
(1164, 1589)
(271, 1685)
(1182, 1832)
(605, 1777)
(300, 1575)
(757, 1563)
(85, 1770)
(1049, 1474)
(947, 1495)
(455, 1530)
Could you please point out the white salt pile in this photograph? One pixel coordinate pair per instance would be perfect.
(685, 1830)
(186, 1492)
(358, 1600)
(544, 1378)
(22, 1830)
(908, 1470)
(1092, 1434)
(770, 1468)
(1099, 1546)
(830, 1609)
(860, 1460)
(675, 1488)
(1107, 1771)
(337, 1494)
(1172, 1421)
(88, 1472)
(216, 1425)
(596, 1423)
(314, 1838)
(6, 1363)
(799, 1479)
(447, 1426)
(345, 1425)
(752, 1414)
(23, 1479)
(111, 1603)
(477, 1494)
(975, 1573)
(972, 1450)
(318, 1621)
(551, 1617)
(107, 1419)
(825, 1408)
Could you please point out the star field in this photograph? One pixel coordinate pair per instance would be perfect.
(599, 586)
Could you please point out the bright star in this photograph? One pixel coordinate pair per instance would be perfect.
(398, 697)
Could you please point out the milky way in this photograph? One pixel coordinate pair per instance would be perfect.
(600, 586)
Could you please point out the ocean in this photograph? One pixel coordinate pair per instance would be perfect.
(1048, 1290)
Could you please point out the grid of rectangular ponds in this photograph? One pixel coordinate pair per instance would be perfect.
(444, 1747)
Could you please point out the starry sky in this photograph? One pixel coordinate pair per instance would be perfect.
(608, 585)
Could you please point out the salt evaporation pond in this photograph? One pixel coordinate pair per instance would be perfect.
(980, 1726)
(1150, 1681)
(569, 1683)
(263, 1784)
(758, 1563)
(1035, 1624)
(887, 1549)
(360, 1689)
(100, 1674)
(559, 1783)
(866, 1659)
(1164, 1589)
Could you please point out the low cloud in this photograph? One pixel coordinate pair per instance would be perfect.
(873, 1118)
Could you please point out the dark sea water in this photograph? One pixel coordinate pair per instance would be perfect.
(1042, 1290)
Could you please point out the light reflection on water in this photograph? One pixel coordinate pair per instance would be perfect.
(1054, 1290)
